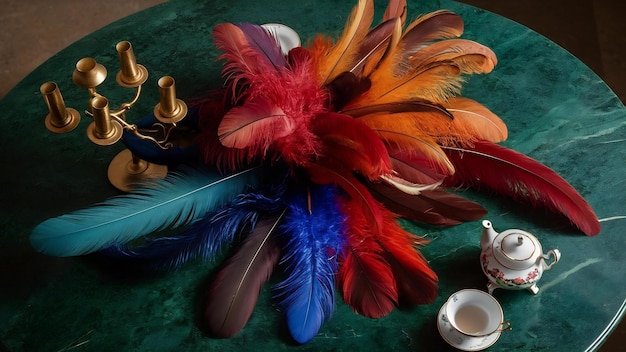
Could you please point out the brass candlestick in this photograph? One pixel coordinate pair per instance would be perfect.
(126, 169)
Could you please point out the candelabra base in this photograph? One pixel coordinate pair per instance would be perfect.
(126, 171)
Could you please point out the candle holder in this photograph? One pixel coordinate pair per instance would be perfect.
(126, 169)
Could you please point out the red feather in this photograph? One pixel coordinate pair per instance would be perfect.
(236, 288)
(365, 277)
(380, 269)
(352, 144)
(243, 62)
(416, 281)
(513, 174)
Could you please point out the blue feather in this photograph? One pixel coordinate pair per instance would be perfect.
(313, 242)
(181, 198)
(205, 238)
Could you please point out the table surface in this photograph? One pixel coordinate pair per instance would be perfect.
(557, 110)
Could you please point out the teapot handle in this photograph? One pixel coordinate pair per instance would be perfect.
(551, 253)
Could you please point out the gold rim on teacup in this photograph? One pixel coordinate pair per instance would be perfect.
(475, 313)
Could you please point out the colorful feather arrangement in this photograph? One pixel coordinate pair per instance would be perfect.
(310, 158)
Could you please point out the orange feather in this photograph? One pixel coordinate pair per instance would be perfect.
(340, 57)
(470, 56)
(473, 121)
(436, 83)
(416, 153)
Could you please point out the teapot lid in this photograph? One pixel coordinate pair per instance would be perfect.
(518, 249)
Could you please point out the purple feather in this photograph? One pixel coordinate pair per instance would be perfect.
(264, 42)
(313, 239)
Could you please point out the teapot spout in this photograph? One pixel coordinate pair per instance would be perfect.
(488, 236)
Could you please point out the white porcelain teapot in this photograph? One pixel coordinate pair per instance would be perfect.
(513, 259)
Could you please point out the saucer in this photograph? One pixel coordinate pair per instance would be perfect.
(287, 37)
(460, 341)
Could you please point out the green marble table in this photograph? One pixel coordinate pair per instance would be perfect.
(557, 111)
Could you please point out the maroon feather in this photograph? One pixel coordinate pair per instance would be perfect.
(513, 174)
(415, 105)
(435, 25)
(374, 46)
(395, 8)
(236, 288)
(435, 207)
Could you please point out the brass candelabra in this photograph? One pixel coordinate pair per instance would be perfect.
(126, 169)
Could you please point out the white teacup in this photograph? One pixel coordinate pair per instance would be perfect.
(286, 36)
(475, 313)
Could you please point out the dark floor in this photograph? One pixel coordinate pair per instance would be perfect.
(593, 30)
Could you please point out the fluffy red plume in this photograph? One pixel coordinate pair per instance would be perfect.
(513, 174)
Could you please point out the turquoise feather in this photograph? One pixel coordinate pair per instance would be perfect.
(181, 198)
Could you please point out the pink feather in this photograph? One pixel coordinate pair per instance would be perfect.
(255, 124)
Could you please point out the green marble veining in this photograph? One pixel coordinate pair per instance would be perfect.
(557, 110)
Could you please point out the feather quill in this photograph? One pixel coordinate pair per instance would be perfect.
(205, 238)
(507, 172)
(435, 82)
(234, 291)
(181, 198)
(313, 240)
(243, 63)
